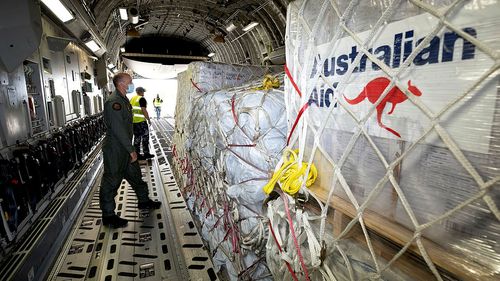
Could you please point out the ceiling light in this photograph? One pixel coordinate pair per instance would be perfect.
(123, 14)
(111, 65)
(59, 10)
(211, 54)
(122, 49)
(92, 45)
(250, 26)
(230, 27)
(135, 20)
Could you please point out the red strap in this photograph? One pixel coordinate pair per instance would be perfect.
(241, 145)
(235, 240)
(216, 224)
(233, 110)
(292, 232)
(196, 86)
(279, 247)
(287, 71)
(227, 234)
(301, 111)
(209, 212)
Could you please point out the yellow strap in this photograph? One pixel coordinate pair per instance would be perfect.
(290, 175)
(269, 82)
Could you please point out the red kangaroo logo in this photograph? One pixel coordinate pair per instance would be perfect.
(374, 89)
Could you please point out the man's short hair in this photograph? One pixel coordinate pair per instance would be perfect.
(119, 77)
(140, 90)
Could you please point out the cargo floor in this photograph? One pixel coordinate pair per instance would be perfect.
(155, 245)
(159, 244)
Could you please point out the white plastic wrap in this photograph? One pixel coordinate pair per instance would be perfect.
(199, 78)
(226, 149)
(403, 125)
(239, 136)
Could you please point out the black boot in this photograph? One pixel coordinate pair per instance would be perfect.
(114, 221)
(149, 205)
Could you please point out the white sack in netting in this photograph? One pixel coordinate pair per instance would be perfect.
(403, 124)
(239, 135)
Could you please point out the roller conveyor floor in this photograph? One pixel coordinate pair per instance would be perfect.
(159, 244)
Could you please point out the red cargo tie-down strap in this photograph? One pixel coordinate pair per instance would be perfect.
(287, 71)
(299, 115)
(301, 111)
(195, 85)
(279, 248)
(235, 117)
(294, 237)
(241, 145)
(174, 151)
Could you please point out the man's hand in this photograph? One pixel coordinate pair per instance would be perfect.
(133, 157)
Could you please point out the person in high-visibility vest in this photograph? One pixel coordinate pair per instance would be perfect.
(141, 123)
(157, 103)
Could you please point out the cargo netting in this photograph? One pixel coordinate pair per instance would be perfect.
(396, 103)
(230, 134)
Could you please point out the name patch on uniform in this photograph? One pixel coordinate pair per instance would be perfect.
(117, 106)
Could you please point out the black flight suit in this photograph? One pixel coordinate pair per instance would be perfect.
(116, 151)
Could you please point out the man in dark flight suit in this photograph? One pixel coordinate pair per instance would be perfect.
(120, 158)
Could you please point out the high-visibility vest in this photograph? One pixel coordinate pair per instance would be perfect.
(136, 109)
(157, 102)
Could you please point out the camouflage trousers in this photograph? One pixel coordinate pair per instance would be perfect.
(141, 135)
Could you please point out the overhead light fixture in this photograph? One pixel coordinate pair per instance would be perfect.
(122, 49)
(59, 10)
(251, 25)
(211, 54)
(134, 15)
(123, 14)
(230, 27)
(111, 65)
(92, 45)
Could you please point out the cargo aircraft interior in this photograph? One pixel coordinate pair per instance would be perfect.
(249, 140)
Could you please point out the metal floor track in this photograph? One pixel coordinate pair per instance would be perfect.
(159, 244)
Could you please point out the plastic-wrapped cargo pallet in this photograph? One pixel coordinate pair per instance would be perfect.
(235, 138)
(399, 110)
(201, 77)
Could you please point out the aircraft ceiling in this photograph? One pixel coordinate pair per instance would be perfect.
(178, 24)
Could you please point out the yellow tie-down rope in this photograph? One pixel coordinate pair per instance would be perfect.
(269, 82)
(290, 175)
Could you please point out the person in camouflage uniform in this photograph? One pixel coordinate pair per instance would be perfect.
(120, 158)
